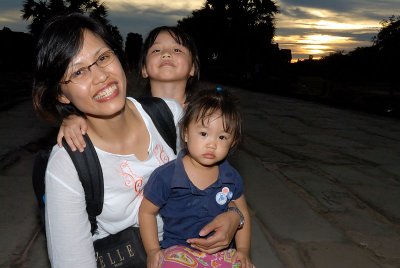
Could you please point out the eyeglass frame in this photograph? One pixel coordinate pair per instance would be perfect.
(66, 82)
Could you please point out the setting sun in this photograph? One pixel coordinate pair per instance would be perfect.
(323, 38)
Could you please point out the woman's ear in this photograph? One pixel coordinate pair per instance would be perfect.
(63, 99)
(192, 70)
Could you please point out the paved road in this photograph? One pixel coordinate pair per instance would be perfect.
(323, 185)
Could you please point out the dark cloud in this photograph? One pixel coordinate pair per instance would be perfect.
(11, 5)
(365, 9)
(138, 20)
(296, 13)
(128, 18)
(336, 5)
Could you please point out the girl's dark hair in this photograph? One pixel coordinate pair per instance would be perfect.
(181, 38)
(60, 41)
(205, 103)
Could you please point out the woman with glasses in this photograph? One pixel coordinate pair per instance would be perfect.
(78, 71)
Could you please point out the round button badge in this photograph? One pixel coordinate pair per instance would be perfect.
(221, 198)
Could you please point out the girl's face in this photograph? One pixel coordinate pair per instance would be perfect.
(208, 143)
(168, 61)
(101, 91)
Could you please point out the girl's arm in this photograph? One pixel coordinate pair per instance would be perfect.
(72, 128)
(149, 233)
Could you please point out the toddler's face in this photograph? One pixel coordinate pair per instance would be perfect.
(207, 141)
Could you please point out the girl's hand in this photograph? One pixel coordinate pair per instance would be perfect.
(72, 129)
(242, 257)
(224, 227)
(154, 258)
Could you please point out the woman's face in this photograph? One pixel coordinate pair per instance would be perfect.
(167, 60)
(99, 90)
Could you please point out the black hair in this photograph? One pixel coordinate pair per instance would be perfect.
(59, 42)
(181, 38)
(204, 103)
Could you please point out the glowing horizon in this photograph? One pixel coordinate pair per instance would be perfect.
(321, 32)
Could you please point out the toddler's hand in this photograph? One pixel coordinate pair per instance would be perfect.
(154, 258)
(244, 259)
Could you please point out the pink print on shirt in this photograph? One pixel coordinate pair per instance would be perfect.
(131, 179)
(160, 154)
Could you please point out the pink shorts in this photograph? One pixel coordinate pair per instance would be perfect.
(181, 256)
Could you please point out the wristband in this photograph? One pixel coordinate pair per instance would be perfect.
(235, 209)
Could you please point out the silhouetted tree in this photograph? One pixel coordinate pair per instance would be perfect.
(234, 35)
(388, 37)
(41, 11)
(387, 41)
(133, 45)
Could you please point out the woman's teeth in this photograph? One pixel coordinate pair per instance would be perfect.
(106, 92)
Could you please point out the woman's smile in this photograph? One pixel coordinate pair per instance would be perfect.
(107, 93)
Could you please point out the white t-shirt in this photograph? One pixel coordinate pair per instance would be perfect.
(69, 241)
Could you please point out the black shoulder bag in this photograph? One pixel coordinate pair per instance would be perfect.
(123, 249)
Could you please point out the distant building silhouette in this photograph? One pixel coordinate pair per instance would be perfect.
(286, 55)
(16, 51)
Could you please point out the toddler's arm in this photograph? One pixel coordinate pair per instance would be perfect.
(243, 235)
(72, 129)
(148, 232)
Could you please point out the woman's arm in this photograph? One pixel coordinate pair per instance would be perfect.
(69, 240)
(224, 225)
(72, 128)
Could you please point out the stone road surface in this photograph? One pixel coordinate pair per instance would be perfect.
(323, 185)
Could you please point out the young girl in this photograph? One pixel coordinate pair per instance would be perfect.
(191, 190)
(170, 63)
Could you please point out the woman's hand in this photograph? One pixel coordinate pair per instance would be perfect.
(72, 129)
(224, 227)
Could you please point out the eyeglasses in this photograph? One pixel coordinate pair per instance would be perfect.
(83, 74)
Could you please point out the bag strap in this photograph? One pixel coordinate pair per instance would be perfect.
(39, 174)
(162, 118)
(88, 166)
(89, 170)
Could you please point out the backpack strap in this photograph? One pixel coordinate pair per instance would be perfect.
(39, 174)
(162, 118)
(89, 170)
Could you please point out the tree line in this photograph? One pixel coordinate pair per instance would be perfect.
(232, 35)
(234, 39)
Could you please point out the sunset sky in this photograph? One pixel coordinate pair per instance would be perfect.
(307, 27)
